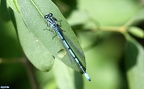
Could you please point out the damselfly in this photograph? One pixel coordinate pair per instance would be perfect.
(52, 22)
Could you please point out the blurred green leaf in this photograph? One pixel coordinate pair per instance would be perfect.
(9, 45)
(134, 62)
(46, 79)
(136, 31)
(102, 59)
(139, 16)
(64, 76)
(83, 17)
(107, 12)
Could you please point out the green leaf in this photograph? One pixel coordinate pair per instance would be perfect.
(13, 4)
(64, 79)
(136, 31)
(32, 12)
(135, 64)
(33, 48)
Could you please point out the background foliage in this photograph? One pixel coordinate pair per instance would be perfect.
(109, 31)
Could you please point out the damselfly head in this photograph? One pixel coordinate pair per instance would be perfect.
(48, 15)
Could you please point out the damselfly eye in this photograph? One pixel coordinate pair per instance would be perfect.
(50, 15)
(46, 16)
